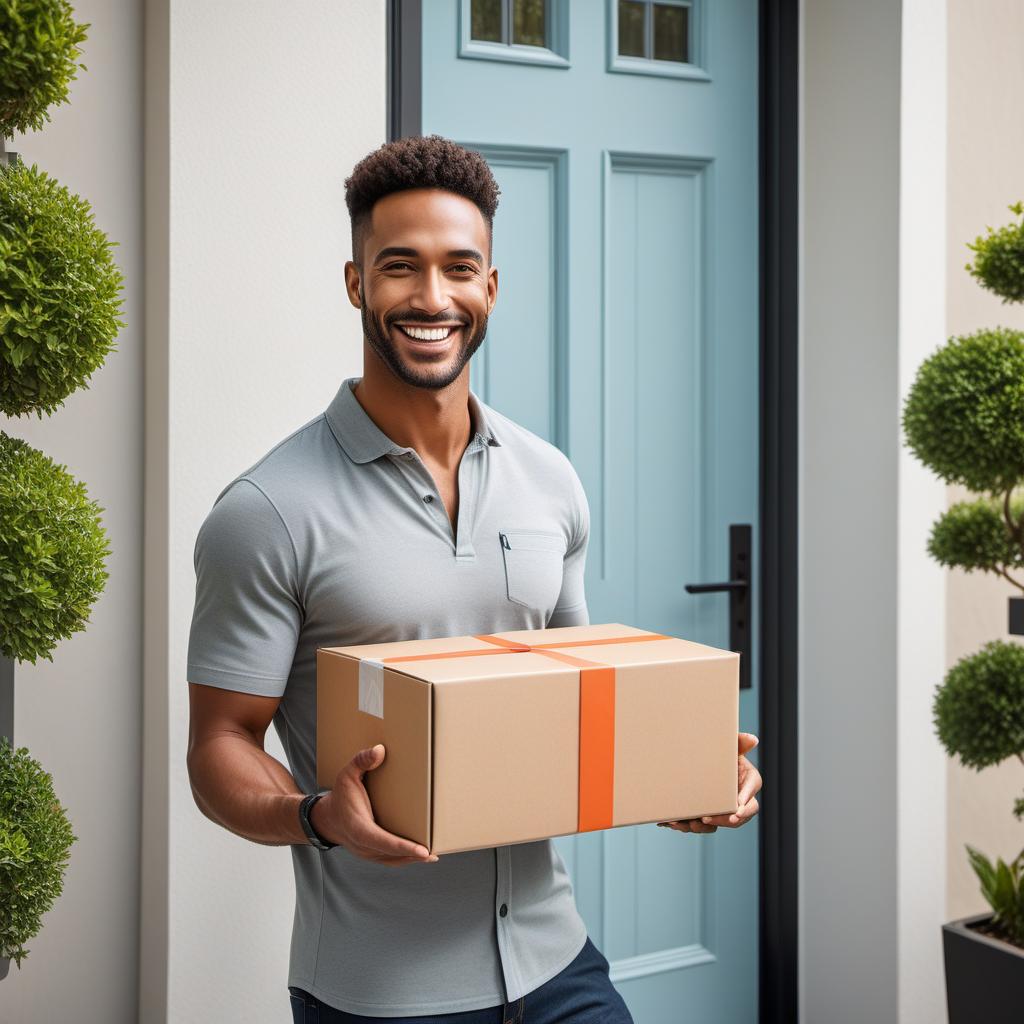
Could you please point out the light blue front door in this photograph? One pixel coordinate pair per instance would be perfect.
(624, 138)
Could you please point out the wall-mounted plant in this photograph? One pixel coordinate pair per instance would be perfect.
(59, 292)
(39, 50)
(52, 552)
(964, 419)
(35, 838)
(59, 316)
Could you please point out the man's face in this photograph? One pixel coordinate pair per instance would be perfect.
(425, 286)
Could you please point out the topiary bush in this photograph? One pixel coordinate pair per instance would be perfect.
(964, 419)
(39, 50)
(999, 259)
(964, 414)
(35, 840)
(974, 535)
(59, 292)
(979, 708)
(53, 552)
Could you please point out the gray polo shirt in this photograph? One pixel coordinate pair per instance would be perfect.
(338, 536)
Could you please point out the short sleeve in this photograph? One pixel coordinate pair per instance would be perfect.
(247, 614)
(571, 607)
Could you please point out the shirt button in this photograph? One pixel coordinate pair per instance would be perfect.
(504, 910)
(428, 498)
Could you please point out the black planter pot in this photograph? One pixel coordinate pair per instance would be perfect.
(984, 976)
(5, 966)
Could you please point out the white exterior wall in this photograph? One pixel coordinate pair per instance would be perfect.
(80, 715)
(256, 114)
(872, 618)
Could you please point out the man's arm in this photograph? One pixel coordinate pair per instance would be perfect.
(237, 784)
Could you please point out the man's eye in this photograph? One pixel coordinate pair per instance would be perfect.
(399, 266)
(464, 268)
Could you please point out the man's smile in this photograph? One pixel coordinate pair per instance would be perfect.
(433, 335)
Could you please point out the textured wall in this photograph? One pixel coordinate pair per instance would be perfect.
(81, 715)
(986, 153)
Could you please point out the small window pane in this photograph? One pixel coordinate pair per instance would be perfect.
(671, 33)
(528, 28)
(631, 29)
(485, 21)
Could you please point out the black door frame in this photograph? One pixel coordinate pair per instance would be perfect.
(779, 194)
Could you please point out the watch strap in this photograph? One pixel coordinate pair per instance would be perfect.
(307, 825)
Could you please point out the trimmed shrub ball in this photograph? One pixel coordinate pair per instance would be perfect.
(999, 259)
(53, 552)
(59, 292)
(35, 839)
(38, 58)
(979, 708)
(964, 414)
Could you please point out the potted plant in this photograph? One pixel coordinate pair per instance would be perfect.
(964, 419)
(59, 308)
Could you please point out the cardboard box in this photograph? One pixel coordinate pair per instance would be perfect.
(518, 736)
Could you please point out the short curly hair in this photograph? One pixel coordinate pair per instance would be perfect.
(418, 162)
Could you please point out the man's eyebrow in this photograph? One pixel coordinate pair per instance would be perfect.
(394, 250)
(399, 250)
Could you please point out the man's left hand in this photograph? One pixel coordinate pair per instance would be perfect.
(748, 784)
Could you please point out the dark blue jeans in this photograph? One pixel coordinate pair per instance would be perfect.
(581, 993)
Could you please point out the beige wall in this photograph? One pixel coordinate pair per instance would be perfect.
(986, 157)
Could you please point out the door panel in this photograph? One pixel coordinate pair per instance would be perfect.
(626, 333)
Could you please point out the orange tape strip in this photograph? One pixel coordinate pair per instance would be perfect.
(597, 748)
(597, 716)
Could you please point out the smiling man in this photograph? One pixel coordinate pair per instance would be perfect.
(379, 520)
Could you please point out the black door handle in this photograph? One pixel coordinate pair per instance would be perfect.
(738, 588)
(707, 588)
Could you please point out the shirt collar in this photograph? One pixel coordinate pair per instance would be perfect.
(364, 441)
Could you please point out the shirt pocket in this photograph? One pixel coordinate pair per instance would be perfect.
(533, 567)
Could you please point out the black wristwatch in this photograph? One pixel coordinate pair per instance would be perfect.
(307, 826)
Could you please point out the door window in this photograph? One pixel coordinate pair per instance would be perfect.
(656, 37)
(521, 31)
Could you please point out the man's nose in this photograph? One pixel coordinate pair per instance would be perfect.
(430, 295)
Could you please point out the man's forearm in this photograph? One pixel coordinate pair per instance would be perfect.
(240, 786)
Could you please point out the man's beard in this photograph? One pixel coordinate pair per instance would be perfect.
(380, 341)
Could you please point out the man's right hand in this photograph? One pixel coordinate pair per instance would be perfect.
(344, 816)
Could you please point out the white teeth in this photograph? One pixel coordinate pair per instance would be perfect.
(437, 334)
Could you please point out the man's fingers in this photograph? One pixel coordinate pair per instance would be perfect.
(751, 785)
(397, 862)
(689, 825)
(371, 836)
(746, 742)
(748, 810)
(703, 827)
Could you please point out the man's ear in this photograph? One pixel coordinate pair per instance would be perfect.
(492, 289)
(352, 282)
